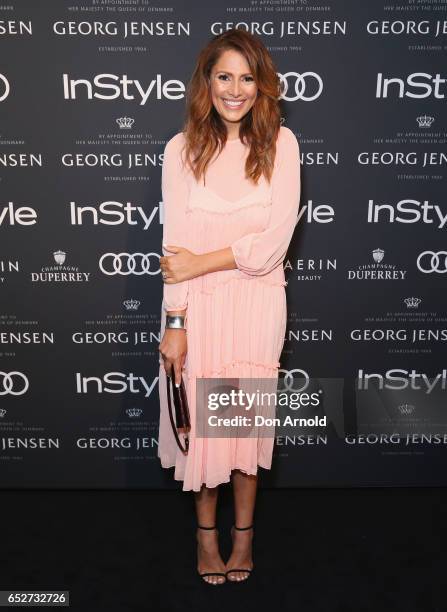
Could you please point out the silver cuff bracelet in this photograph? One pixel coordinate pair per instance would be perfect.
(175, 322)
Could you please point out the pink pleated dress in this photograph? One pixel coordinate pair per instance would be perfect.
(236, 319)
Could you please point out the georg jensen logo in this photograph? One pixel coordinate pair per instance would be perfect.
(424, 121)
(412, 302)
(125, 123)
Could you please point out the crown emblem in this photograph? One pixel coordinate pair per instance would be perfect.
(132, 304)
(424, 121)
(59, 257)
(378, 255)
(134, 412)
(406, 408)
(125, 123)
(2, 412)
(412, 302)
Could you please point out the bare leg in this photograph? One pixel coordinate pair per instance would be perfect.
(209, 559)
(244, 491)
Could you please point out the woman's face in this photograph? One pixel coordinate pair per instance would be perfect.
(233, 89)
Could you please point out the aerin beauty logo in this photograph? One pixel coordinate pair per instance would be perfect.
(411, 211)
(60, 273)
(8, 266)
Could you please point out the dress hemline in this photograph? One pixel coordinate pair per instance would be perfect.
(223, 479)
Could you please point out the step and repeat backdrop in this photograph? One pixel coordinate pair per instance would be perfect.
(90, 92)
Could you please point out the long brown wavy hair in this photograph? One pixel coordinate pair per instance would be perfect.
(204, 129)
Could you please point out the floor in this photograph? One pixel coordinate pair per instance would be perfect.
(315, 550)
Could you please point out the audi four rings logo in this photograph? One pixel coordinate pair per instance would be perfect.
(126, 263)
(429, 261)
(289, 379)
(297, 83)
(11, 383)
(4, 87)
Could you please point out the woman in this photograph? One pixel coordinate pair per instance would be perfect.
(231, 191)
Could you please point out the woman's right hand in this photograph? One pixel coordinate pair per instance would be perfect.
(173, 349)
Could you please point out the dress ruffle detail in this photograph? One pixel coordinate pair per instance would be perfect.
(250, 325)
(227, 368)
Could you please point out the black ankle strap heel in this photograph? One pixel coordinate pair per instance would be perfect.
(243, 528)
(211, 573)
(239, 569)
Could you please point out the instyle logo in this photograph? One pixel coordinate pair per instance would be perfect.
(121, 87)
(23, 215)
(409, 379)
(321, 213)
(412, 211)
(111, 213)
(115, 382)
(417, 85)
(4, 87)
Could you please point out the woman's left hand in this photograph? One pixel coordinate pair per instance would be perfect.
(181, 266)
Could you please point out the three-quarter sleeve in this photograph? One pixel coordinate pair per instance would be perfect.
(259, 253)
(175, 192)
